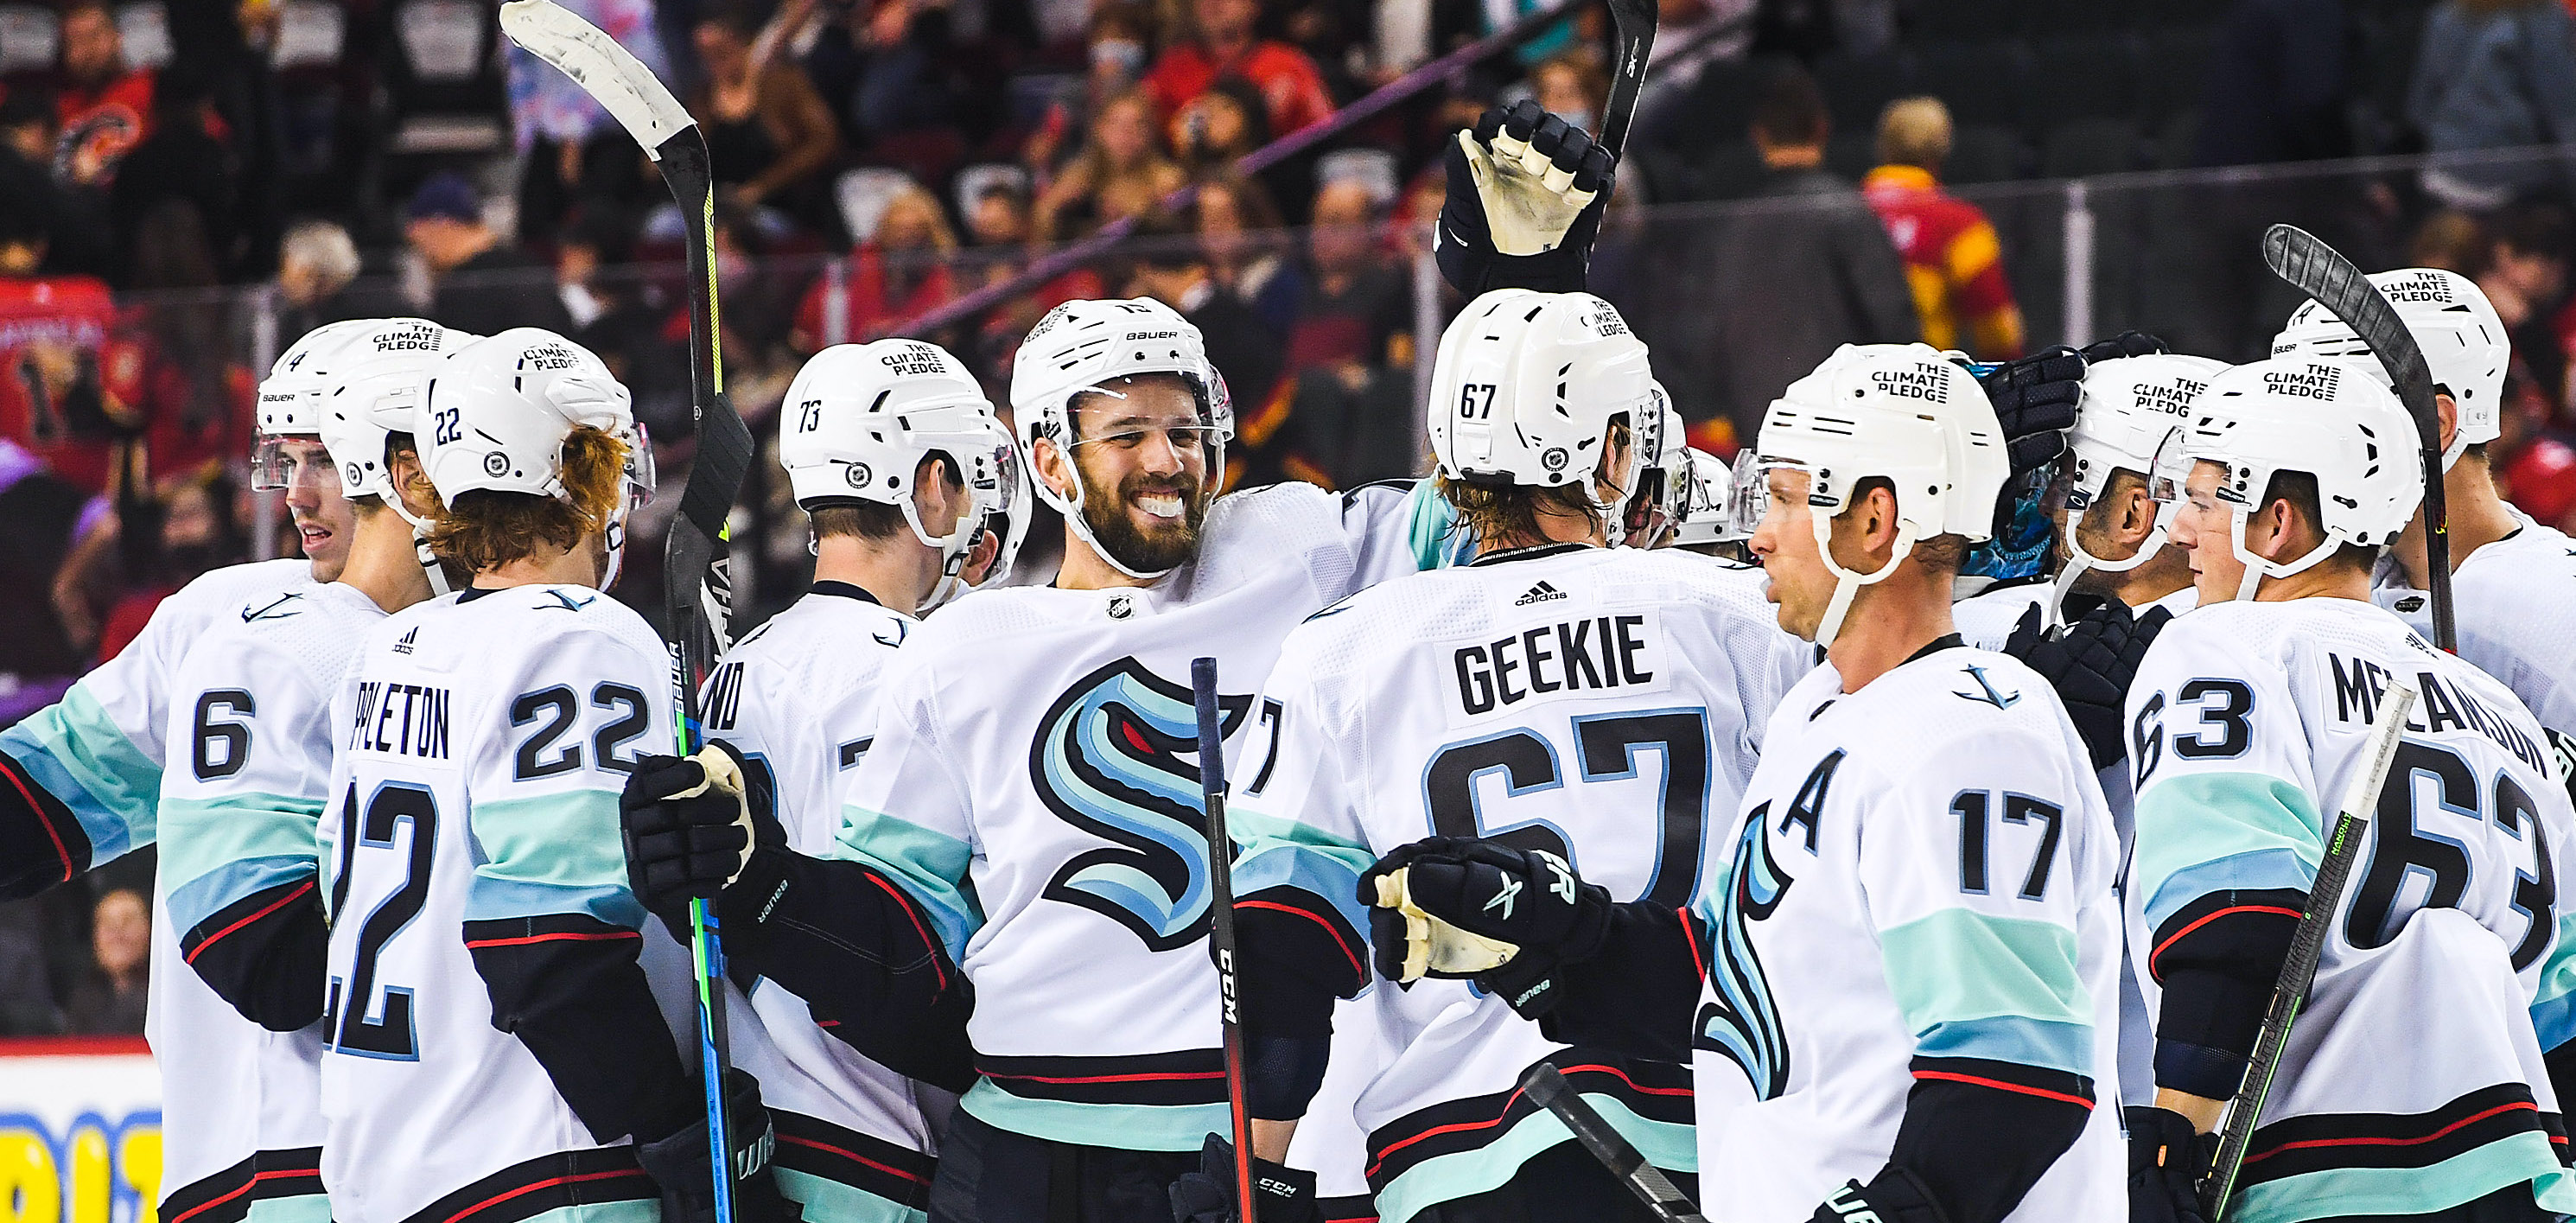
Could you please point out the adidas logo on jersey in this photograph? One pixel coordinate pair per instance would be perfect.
(1540, 593)
(402, 644)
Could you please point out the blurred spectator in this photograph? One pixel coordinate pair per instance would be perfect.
(2276, 84)
(78, 240)
(901, 86)
(171, 365)
(1120, 34)
(193, 525)
(315, 264)
(1222, 41)
(1220, 125)
(1953, 259)
(899, 272)
(104, 107)
(1356, 312)
(1239, 232)
(483, 282)
(2526, 279)
(569, 149)
(51, 331)
(769, 134)
(1826, 272)
(2451, 240)
(1573, 86)
(1244, 349)
(109, 1001)
(1000, 222)
(2494, 74)
(1690, 35)
(1121, 172)
(2535, 467)
(37, 658)
(180, 160)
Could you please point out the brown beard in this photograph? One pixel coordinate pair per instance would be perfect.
(1105, 510)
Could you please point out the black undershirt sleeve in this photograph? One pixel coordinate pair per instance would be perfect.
(1637, 996)
(569, 986)
(264, 954)
(41, 841)
(2218, 960)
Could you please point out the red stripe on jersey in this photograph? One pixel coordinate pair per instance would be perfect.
(1347, 953)
(2180, 934)
(1690, 938)
(1108, 1078)
(549, 1183)
(202, 1207)
(60, 850)
(573, 936)
(889, 1170)
(2393, 1142)
(917, 927)
(2000, 1085)
(273, 906)
(1508, 1101)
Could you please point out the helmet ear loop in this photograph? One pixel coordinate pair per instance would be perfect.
(2078, 561)
(1847, 583)
(2257, 567)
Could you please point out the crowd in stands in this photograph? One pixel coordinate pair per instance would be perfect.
(185, 186)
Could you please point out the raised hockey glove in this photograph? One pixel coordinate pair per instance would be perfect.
(2034, 401)
(680, 1166)
(1506, 918)
(692, 825)
(1207, 1195)
(2167, 1162)
(2091, 665)
(2131, 343)
(1896, 1196)
(1525, 195)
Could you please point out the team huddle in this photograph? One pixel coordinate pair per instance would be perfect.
(1839, 897)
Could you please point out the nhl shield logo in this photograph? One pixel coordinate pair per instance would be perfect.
(858, 475)
(1121, 606)
(495, 463)
(1554, 459)
(354, 475)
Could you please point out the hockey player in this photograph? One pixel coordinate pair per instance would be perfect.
(1588, 703)
(2250, 715)
(496, 1041)
(238, 940)
(2514, 579)
(80, 780)
(914, 490)
(1025, 826)
(1897, 988)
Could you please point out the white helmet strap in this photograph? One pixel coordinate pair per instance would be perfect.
(1847, 583)
(2257, 567)
(2078, 561)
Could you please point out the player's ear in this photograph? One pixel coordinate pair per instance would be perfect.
(1054, 465)
(2447, 410)
(2137, 514)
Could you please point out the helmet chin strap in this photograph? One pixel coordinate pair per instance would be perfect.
(616, 535)
(1847, 584)
(429, 566)
(1077, 517)
(2078, 561)
(2257, 568)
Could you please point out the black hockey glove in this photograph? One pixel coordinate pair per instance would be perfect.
(1526, 192)
(681, 1165)
(2034, 401)
(2167, 1162)
(1207, 1195)
(1506, 918)
(2131, 343)
(2090, 665)
(1896, 1196)
(686, 837)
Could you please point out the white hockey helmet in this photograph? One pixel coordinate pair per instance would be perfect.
(1525, 387)
(1709, 515)
(494, 415)
(2464, 343)
(2128, 406)
(1900, 412)
(1663, 485)
(860, 418)
(375, 384)
(1080, 348)
(2327, 418)
(290, 398)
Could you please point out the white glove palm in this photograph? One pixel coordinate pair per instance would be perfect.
(1529, 200)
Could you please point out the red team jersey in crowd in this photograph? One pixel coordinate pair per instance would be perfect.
(1286, 78)
(1953, 263)
(62, 334)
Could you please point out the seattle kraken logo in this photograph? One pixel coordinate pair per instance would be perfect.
(1109, 759)
(1743, 1024)
(2000, 700)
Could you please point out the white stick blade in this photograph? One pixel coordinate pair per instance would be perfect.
(604, 70)
(2361, 796)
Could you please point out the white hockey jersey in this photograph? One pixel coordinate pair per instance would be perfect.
(241, 1105)
(100, 748)
(485, 738)
(1919, 887)
(2446, 947)
(1032, 786)
(2516, 613)
(1604, 704)
(793, 697)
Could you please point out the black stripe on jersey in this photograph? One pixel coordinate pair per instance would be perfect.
(2329, 1141)
(1190, 1076)
(1297, 955)
(1655, 1091)
(41, 841)
(226, 1196)
(817, 1147)
(1359, 1209)
(569, 986)
(587, 1177)
(264, 954)
(2238, 930)
(1977, 1134)
(2218, 959)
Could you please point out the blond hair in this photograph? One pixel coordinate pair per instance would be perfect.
(1914, 132)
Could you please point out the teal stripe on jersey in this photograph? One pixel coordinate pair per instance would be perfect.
(648, 1211)
(557, 853)
(823, 1200)
(1966, 977)
(1287, 853)
(2553, 1005)
(79, 755)
(1123, 1127)
(207, 894)
(2466, 1177)
(2027, 1042)
(199, 836)
(302, 1208)
(1447, 1178)
(930, 867)
(2204, 832)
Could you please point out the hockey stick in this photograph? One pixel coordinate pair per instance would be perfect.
(1238, 1095)
(1634, 23)
(2307, 944)
(1550, 1090)
(2321, 272)
(697, 585)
